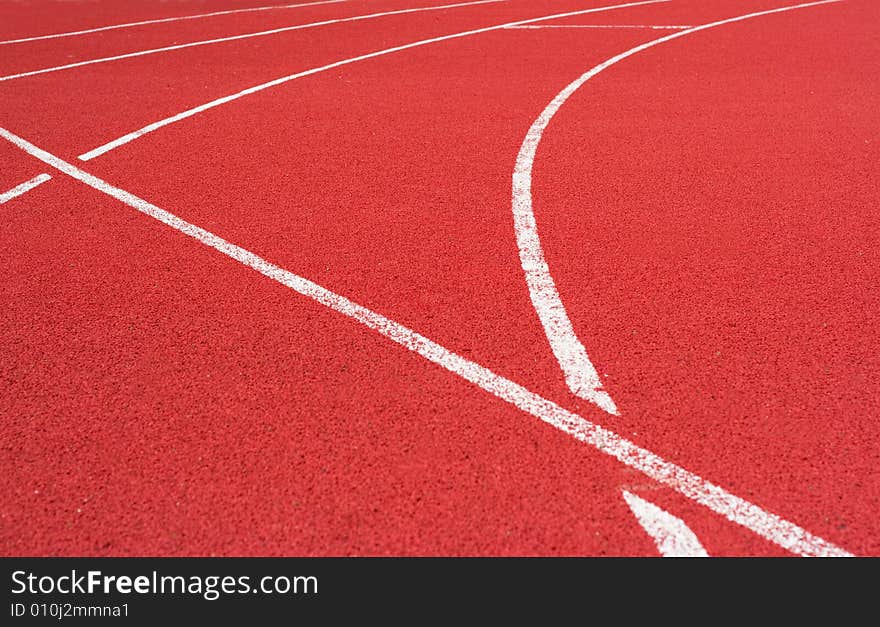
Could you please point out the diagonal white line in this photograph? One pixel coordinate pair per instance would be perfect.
(274, 31)
(766, 524)
(580, 374)
(168, 19)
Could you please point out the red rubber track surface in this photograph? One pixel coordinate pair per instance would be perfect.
(707, 208)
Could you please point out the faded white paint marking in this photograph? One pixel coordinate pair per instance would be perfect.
(168, 19)
(579, 372)
(649, 26)
(274, 31)
(766, 524)
(671, 535)
(120, 141)
(18, 190)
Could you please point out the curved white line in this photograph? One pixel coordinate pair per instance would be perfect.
(671, 535)
(262, 33)
(766, 524)
(167, 19)
(579, 372)
(120, 141)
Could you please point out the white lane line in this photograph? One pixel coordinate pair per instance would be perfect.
(671, 535)
(766, 524)
(274, 31)
(167, 19)
(18, 190)
(120, 141)
(649, 26)
(579, 372)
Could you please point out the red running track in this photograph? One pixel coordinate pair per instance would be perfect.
(706, 208)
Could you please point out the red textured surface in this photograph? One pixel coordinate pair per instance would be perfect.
(707, 208)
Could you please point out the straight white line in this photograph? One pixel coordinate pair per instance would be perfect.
(18, 190)
(766, 524)
(671, 534)
(121, 141)
(167, 19)
(579, 372)
(263, 33)
(650, 26)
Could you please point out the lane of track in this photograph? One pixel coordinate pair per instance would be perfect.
(103, 49)
(29, 18)
(25, 185)
(239, 13)
(116, 97)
